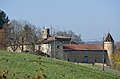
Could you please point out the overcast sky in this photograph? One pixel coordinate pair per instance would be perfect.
(90, 18)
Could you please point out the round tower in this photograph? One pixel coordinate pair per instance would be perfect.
(109, 46)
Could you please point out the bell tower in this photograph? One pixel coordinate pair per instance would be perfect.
(109, 46)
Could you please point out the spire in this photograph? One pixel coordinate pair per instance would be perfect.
(109, 38)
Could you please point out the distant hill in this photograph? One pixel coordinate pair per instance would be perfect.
(28, 66)
(94, 42)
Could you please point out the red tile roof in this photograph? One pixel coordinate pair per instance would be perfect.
(82, 47)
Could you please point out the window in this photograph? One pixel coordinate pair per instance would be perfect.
(85, 59)
(95, 60)
(75, 60)
(104, 60)
(68, 59)
(58, 46)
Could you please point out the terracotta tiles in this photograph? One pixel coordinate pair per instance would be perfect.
(83, 47)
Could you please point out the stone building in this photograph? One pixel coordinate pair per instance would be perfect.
(53, 45)
(109, 46)
(59, 47)
(84, 53)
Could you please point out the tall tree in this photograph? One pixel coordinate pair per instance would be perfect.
(30, 35)
(75, 38)
(13, 34)
(3, 28)
(22, 33)
(3, 19)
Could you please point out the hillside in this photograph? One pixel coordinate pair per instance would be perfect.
(27, 66)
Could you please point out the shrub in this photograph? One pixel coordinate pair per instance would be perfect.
(116, 61)
(3, 75)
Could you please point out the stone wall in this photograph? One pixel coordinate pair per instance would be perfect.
(91, 56)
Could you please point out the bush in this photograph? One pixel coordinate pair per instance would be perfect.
(41, 53)
(116, 61)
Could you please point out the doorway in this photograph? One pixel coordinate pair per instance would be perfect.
(85, 59)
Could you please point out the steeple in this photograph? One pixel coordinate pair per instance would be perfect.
(108, 38)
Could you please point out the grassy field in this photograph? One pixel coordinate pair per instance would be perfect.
(28, 66)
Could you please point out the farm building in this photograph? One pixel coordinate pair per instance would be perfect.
(60, 47)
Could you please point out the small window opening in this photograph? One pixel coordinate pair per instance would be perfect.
(58, 46)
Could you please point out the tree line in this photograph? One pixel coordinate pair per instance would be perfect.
(17, 33)
(21, 32)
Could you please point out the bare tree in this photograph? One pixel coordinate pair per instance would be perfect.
(30, 35)
(13, 34)
(38, 37)
(75, 38)
(21, 33)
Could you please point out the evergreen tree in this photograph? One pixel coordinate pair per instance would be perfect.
(3, 19)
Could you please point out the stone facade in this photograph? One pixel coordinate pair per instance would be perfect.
(45, 33)
(46, 48)
(59, 47)
(83, 56)
(81, 53)
(109, 46)
(54, 47)
(57, 50)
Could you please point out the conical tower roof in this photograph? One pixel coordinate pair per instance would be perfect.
(109, 38)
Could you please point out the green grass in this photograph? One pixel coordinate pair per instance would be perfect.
(21, 65)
